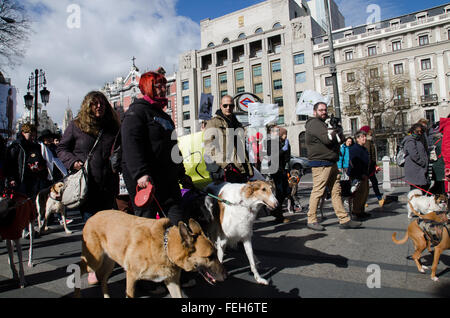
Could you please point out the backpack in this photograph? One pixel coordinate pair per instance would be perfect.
(400, 158)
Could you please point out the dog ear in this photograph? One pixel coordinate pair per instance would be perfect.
(195, 227)
(186, 236)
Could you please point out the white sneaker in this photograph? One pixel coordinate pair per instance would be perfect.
(68, 221)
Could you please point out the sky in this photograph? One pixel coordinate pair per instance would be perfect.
(82, 44)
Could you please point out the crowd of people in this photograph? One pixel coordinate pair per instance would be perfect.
(143, 141)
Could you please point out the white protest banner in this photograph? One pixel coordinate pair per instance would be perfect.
(307, 100)
(260, 115)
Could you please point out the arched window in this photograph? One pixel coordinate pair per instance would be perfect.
(276, 25)
(258, 30)
(226, 40)
(241, 36)
(210, 44)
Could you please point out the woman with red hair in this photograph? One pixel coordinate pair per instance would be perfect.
(147, 151)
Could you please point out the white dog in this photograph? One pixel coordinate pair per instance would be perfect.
(233, 221)
(53, 204)
(332, 124)
(425, 204)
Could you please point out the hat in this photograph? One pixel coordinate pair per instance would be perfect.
(46, 133)
(366, 129)
(27, 128)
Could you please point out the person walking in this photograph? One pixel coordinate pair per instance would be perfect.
(226, 155)
(373, 168)
(95, 122)
(416, 158)
(323, 155)
(444, 128)
(359, 162)
(343, 165)
(147, 148)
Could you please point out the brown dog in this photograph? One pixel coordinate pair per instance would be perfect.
(53, 204)
(147, 249)
(418, 236)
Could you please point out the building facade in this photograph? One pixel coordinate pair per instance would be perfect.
(276, 50)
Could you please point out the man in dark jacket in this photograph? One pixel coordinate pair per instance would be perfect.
(323, 155)
(25, 167)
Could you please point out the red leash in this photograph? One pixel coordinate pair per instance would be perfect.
(418, 187)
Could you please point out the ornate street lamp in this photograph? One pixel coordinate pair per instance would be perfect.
(39, 80)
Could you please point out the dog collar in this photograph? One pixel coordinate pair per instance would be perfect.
(166, 244)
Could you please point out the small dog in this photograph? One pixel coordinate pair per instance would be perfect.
(52, 199)
(234, 214)
(293, 179)
(147, 249)
(418, 234)
(333, 123)
(425, 204)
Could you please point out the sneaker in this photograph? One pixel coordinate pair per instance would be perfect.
(381, 202)
(68, 221)
(315, 226)
(282, 220)
(350, 225)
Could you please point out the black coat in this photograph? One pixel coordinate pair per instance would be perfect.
(103, 184)
(147, 149)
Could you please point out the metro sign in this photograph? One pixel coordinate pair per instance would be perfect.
(245, 102)
(244, 99)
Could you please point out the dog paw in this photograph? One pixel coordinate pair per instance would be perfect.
(68, 232)
(434, 279)
(262, 281)
(30, 264)
(424, 267)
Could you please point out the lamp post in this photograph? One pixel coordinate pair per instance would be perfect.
(39, 80)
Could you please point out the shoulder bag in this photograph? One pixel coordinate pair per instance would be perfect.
(76, 184)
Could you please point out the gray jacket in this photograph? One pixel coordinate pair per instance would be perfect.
(416, 163)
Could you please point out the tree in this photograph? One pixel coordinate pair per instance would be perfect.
(15, 27)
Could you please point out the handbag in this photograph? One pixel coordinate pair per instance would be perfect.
(76, 184)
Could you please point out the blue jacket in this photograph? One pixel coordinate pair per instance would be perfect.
(344, 157)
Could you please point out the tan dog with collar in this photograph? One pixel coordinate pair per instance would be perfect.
(417, 235)
(53, 204)
(147, 249)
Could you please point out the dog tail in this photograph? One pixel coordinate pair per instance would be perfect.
(413, 210)
(402, 241)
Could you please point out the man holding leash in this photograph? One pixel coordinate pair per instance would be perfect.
(323, 155)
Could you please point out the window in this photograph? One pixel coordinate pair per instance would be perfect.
(425, 64)
(375, 98)
(210, 44)
(429, 114)
(226, 40)
(276, 25)
(398, 69)
(373, 73)
(299, 59)
(280, 120)
(349, 55)
(241, 36)
(421, 18)
(298, 95)
(207, 82)
(350, 77)
(326, 60)
(372, 50)
(187, 130)
(186, 115)
(399, 92)
(240, 89)
(300, 77)
(278, 101)
(396, 46)
(276, 66)
(257, 70)
(223, 78)
(423, 40)
(258, 30)
(428, 89)
(378, 122)
(354, 125)
(277, 84)
(258, 88)
(185, 100)
(329, 81)
(223, 93)
(185, 85)
(352, 99)
(239, 75)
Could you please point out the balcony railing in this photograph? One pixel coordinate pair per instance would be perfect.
(429, 99)
(352, 110)
(402, 103)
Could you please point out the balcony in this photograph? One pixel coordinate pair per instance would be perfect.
(376, 107)
(402, 103)
(428, 100)
(352, 110)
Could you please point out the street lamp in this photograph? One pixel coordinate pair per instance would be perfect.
(39, 80)
(8, 20)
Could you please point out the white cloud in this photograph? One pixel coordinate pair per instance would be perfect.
(78, 60)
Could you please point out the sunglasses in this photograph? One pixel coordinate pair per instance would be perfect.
(228, 105)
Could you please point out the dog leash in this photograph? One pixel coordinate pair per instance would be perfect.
(215, 197)
(418, 187)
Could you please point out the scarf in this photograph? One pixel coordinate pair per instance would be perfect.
(160, 102)
(232, 121)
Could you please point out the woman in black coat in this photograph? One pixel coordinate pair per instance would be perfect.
(150, 153)
(96, 115)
